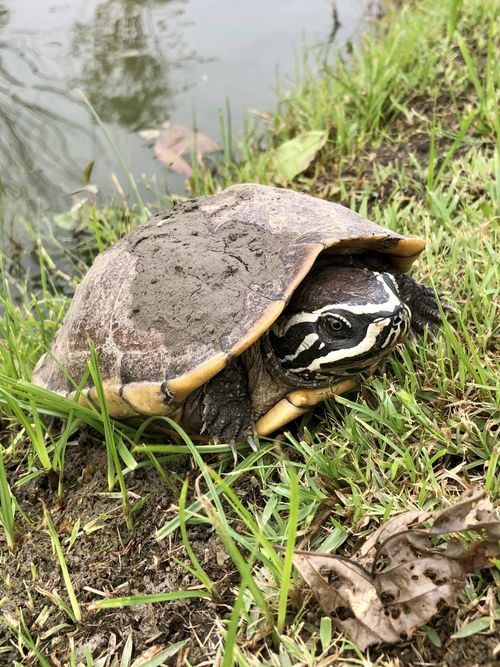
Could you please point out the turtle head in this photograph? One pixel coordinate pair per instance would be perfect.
(340, 321)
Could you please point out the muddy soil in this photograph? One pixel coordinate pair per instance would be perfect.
(108, 560)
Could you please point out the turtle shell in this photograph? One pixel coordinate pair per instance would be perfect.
(174, 300)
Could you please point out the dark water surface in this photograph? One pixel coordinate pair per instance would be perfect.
(140, 62)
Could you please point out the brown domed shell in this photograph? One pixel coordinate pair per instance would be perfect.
(176, 298)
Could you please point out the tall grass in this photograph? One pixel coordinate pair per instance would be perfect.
(414, 142)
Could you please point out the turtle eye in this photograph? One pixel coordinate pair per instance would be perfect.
(337, 326)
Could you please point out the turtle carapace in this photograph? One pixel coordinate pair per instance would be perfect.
(237, 312)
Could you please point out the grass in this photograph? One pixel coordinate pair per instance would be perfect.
(115, 516)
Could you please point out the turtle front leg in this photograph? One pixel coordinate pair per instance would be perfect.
(227, 407)
(422, 302)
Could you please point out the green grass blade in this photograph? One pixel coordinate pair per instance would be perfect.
(109, 138)
(56, 544)
(286, 579)
(7, 504)
(198, 570)
(111, 437)
(134, 600)
(22, 635)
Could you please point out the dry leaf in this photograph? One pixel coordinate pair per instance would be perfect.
(400, 576)
(174, 141)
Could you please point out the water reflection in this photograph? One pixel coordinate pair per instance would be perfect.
(4, 15)
(121, 56)
(140, 62)
(34, 156)
(124, 61)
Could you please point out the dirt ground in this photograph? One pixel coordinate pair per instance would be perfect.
(106, 559)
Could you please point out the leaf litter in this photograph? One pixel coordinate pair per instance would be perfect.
(404, 572)
(174, 142)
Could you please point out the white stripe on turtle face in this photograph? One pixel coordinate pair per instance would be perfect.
(391, 303)
(400, 330)
(391, 337)
(393, 282)
(306, 343)
(374, 329)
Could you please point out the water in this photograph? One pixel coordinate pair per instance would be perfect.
(140, 62)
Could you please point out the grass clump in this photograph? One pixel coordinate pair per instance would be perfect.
(414, 143)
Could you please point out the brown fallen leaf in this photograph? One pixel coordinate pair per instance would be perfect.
(403, 572)
(175, 141)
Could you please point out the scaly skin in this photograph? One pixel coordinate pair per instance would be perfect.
(420, 298)
(223, 408)
(227, 406)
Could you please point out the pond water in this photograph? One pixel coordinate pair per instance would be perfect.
(140, 63)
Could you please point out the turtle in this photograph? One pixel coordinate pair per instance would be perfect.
(237, 312)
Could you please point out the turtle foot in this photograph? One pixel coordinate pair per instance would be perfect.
(227, 410)
(423, 303)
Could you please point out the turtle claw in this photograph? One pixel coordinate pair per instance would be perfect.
(431, 335)
(446, 306)
(252, 441)
(234, 451)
